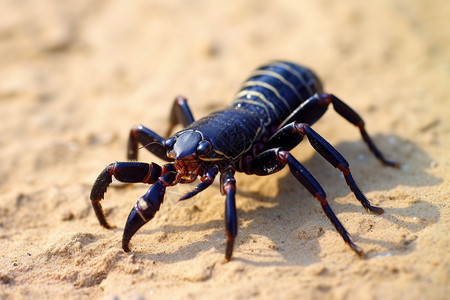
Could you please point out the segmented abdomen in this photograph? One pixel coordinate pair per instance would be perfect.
(274, 90)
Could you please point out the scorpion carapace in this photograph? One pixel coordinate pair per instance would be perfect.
(269, 116)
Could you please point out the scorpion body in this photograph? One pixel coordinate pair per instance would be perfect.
(268, 117)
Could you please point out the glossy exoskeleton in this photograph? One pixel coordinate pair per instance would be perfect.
(269, 116)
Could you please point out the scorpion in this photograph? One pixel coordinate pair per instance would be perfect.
(269, 116)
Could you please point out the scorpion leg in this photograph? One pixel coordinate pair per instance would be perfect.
(151, 141)
(273, 160)
(350, 115)
(180, 113)
(313, 108)
(228, 187)
(146, 207)
(338, 161)
(328, 152)
(207, 180)
(294, 133)
(129, 172)
(139, 134)
(287, 137)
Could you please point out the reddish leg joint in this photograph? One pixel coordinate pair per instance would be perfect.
(344, 170)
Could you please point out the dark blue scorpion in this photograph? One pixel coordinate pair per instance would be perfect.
(269, 116)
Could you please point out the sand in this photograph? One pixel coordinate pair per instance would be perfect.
(75, 76)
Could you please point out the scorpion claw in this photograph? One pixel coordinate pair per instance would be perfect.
(101, 183)
(134, 222)
(145, 209)
(100, 214)
(98, 192)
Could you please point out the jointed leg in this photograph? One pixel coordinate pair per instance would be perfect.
(287, 137)
(153, 142)
(293, 133)
(228, 187)
(338, 161)
(149, 139)
(207, 180)
(180, 113)
(276, 159)
(312, 109)
(125, 172)
(350, 115)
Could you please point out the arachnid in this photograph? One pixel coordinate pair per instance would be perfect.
(270, 115)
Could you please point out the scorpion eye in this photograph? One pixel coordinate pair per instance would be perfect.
(169, 143)
(204, 147)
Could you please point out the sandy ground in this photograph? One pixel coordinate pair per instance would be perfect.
(75, 76)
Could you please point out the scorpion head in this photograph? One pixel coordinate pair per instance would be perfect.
(188, 148)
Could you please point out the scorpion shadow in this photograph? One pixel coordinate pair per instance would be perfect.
(294, 210)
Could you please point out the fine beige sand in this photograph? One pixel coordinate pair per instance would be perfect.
(76, 75)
